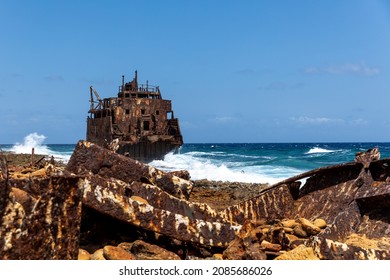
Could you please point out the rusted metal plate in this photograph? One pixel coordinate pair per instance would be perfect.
(41, 219)
(88, 157)
(109, 199)
(3, 183)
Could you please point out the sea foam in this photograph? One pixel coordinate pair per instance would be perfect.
(36, 141)
(317, 150)
(203, 168)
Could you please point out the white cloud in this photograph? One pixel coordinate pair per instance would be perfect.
(315, 120)
(304, 120)
(358, 122)
(347, 68)
(224, 119)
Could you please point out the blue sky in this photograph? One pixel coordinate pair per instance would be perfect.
(236, 71)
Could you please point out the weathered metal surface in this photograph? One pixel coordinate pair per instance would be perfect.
(328, 249)
(274, 203)
(88, 157)
(157, 198)
(109, 199)
(353, 198)
(3, 183)
(141, 195)
(327, 192)
(138, 122)
(41, 219)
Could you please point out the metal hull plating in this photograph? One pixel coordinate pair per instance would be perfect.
(137, 123)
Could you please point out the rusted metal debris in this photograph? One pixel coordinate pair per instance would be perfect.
(41, 218)
(352, 198)
(137, 123)
(114, 183)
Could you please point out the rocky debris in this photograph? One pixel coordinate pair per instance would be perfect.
(270, 239)
(145, 251)
(98, 255)
(300, 252)
(137, 250)
(118, 208)
(116, 253)
(83, 255)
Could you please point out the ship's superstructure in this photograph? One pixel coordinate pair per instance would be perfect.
(137, 123)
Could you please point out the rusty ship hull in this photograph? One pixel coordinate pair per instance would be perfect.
(137, 123)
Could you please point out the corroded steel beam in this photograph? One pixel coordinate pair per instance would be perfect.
(348, 197)
(109, 199)
(88, 157)
(3, 183)
(274, 203)
(157, 198)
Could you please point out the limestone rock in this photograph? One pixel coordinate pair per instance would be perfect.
(98, 255)
(308, 226)
(299, 253)
(145, 251)
(218, 257)
(84, 255)
(126, 246)
(268, 246)
(321, 223)
(116, 253)
(289, 223)
(299, 231)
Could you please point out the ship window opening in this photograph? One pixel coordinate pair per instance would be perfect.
(146, 125)
(157, 112)
(127, 111)
(143, 111)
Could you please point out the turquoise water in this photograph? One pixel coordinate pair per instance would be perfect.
(238, 162)
(261, 162)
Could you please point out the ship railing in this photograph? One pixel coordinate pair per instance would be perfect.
(142, 88)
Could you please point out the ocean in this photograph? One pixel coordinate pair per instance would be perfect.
(234, 162)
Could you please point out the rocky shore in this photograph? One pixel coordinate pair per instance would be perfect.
(101, 205)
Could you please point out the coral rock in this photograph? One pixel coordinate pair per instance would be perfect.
(116, 253)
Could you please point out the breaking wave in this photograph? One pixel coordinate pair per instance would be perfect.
(36, 141)
(206, 168)
(317, 150)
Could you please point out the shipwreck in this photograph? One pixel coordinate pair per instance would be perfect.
(137, 123)
(114, 207)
